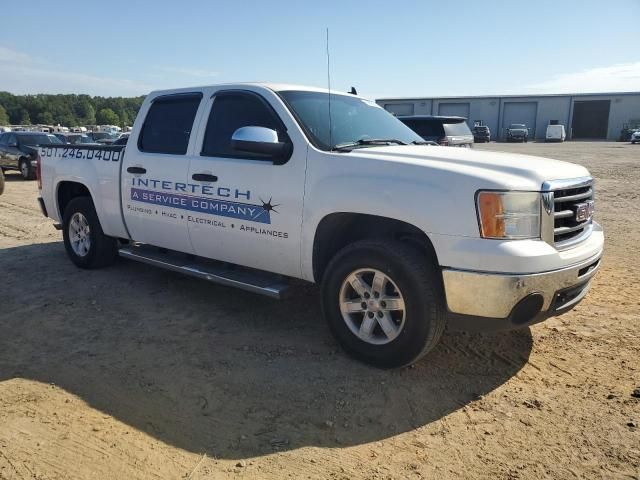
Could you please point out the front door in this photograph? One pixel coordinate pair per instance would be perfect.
(154, 173)
(249, 209)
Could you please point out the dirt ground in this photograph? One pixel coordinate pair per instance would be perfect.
(135, 373)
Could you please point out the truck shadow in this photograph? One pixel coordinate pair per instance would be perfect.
(211, 369)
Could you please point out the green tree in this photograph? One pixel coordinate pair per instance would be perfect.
(45, 118)
(85, 111)
(89, 117)
(25, 119)
(106, 116)
(4, 118)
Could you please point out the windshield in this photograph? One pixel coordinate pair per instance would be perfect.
(352, 119)
(518, 125)
(38, 139)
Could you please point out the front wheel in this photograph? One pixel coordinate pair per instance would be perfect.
(384, 303)
(85, 242)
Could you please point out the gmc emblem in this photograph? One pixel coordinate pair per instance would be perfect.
(584, 211)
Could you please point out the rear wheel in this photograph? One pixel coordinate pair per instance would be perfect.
(383, 302)
(85, 242)
(27, 171)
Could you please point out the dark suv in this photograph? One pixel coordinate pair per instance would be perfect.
(517, 132)
(18, 152)
(446, 131)
(481, 133)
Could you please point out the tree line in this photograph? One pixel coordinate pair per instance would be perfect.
(67, 110)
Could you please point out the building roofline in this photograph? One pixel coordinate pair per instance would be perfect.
(479, 97)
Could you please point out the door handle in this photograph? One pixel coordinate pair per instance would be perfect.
(204, 177)
(136, 170)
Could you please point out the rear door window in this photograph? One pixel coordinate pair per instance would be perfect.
(167, 127)
(431, 129)
(460, 128)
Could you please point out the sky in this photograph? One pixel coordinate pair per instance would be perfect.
(383, 48)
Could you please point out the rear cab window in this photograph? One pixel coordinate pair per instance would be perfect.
(168, 124)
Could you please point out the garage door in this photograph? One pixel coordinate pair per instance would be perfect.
(590, 119)
(454, 109)
(520, 112)
(399, 108)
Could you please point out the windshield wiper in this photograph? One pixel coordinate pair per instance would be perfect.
(366, 143)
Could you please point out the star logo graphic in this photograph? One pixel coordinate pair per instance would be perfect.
(268, 207)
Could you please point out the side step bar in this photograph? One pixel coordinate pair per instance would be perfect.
(256, 281)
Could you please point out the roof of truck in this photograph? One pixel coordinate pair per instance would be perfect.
(276, 87)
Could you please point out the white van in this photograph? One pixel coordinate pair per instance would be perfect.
(555, 133)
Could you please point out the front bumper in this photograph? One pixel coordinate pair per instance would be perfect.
(484, 301)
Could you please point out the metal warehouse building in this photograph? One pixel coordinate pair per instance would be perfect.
(585, 116)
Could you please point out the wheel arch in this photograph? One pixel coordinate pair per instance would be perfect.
(337, 230)
(66, 191)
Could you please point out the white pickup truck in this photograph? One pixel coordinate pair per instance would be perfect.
(250, 185)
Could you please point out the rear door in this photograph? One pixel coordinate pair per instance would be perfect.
(249, 209)
(154, 173)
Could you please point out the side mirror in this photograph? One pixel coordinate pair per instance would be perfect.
(260, 140)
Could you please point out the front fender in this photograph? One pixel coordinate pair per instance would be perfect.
(430, 206)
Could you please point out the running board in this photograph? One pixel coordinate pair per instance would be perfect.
(255, 281)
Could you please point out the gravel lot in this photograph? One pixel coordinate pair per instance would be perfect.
(132, 372)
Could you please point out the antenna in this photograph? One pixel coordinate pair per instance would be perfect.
(329, 88)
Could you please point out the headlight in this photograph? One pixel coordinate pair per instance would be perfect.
(509, 215)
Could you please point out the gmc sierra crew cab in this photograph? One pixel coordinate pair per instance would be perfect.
(251, 185)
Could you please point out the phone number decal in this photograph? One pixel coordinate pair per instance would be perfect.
(89, 154)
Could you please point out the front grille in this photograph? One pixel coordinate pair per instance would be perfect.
(567, 201)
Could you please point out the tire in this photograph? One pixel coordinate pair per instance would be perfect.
(97, 250)
(411, 278)
(1, 181)
(27, 171)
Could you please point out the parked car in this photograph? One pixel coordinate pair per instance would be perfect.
(481, 133)
(245, 185)
(555, 133)
(517, 132)
(446, 131)
(105, 138)
(627, 131)
(17, 151)
(75, 138)
(635, 137)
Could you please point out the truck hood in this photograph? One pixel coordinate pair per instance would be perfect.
(484, 169)
(517, 130)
